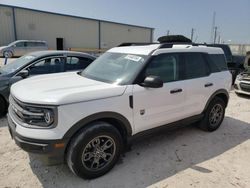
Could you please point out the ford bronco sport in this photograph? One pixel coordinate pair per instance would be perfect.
(87, 118)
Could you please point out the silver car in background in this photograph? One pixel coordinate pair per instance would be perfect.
(21, 47)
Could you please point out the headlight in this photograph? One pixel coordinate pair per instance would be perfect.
(34, 116)
(48, 116)
(43, 117)
(239, 77)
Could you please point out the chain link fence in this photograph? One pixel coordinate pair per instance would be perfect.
(239, 49)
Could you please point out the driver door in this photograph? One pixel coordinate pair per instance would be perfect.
(154, 107)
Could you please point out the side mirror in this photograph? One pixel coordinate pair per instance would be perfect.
(152, 82)
(23, 73)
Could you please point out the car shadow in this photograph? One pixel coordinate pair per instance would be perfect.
(3, 121)
(154, 159)
(243, 96)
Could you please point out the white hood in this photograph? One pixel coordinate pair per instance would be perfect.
(63, 88)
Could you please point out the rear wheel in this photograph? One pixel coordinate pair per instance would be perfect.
(214, 115)
(7, 54)
(94, 150)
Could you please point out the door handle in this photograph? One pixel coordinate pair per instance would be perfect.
(176, 91)
(208, 84)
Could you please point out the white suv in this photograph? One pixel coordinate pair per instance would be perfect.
(87, 118)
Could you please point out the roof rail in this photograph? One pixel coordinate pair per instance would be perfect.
(135, 44)
(162, 45)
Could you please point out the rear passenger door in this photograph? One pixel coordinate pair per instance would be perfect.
(199, 83)
(75, 63)
(31, 47)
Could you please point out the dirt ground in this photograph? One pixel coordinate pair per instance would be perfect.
(2, 60)
(185, 157)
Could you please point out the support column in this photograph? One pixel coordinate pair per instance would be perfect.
(14, 22)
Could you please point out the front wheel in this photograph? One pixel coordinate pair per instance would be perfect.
(94, 150)
(214, 115)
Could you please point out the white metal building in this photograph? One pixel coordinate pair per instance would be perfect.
(74, 32)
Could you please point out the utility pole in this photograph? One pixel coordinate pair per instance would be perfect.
(213, 26)
(192, 34)
(168, 32)
(215, 33)
(219, 39)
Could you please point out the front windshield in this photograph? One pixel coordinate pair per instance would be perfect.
(115, 68)
(16, 64)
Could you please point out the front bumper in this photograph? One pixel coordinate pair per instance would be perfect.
(52, 151)
(242, 87)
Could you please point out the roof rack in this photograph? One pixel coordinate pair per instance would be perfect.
(170, 44)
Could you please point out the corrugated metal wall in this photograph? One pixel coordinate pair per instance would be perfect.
(76, 32)
(80, 33)
(114, 34)
(6, 26)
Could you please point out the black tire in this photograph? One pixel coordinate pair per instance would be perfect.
(210, 121)
(86, 142)
(3, 107)
(7, 54)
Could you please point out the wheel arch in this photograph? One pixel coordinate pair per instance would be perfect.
(221, 93)
(116, 119)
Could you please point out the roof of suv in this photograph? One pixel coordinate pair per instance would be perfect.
(148, 49)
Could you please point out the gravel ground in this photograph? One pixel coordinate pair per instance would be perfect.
(185, 157)
(8, 61)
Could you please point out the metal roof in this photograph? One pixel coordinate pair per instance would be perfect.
(60, 14)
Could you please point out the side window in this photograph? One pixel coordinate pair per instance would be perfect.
(46, 66)
(166, 66)
(30, 44)
(40, 44)
(19, 44)
(219, 61)
(77, 63)
(195, 65)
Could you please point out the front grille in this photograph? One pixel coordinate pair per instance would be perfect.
(246, 79)
(245, 87)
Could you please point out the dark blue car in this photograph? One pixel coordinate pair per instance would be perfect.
(36, 63)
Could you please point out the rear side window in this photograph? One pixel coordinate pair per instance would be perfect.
(219, 61)
(35, 44)
(40, 44)
(195, 65)
(77, 63)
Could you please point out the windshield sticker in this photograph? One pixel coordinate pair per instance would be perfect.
(29, 57)
(133, 58)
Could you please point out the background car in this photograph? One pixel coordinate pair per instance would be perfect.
(21, 47)
(36, 63)
(235, 63)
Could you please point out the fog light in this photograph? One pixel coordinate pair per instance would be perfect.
(235, 86)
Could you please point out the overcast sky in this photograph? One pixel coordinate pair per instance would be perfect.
(177, 16)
